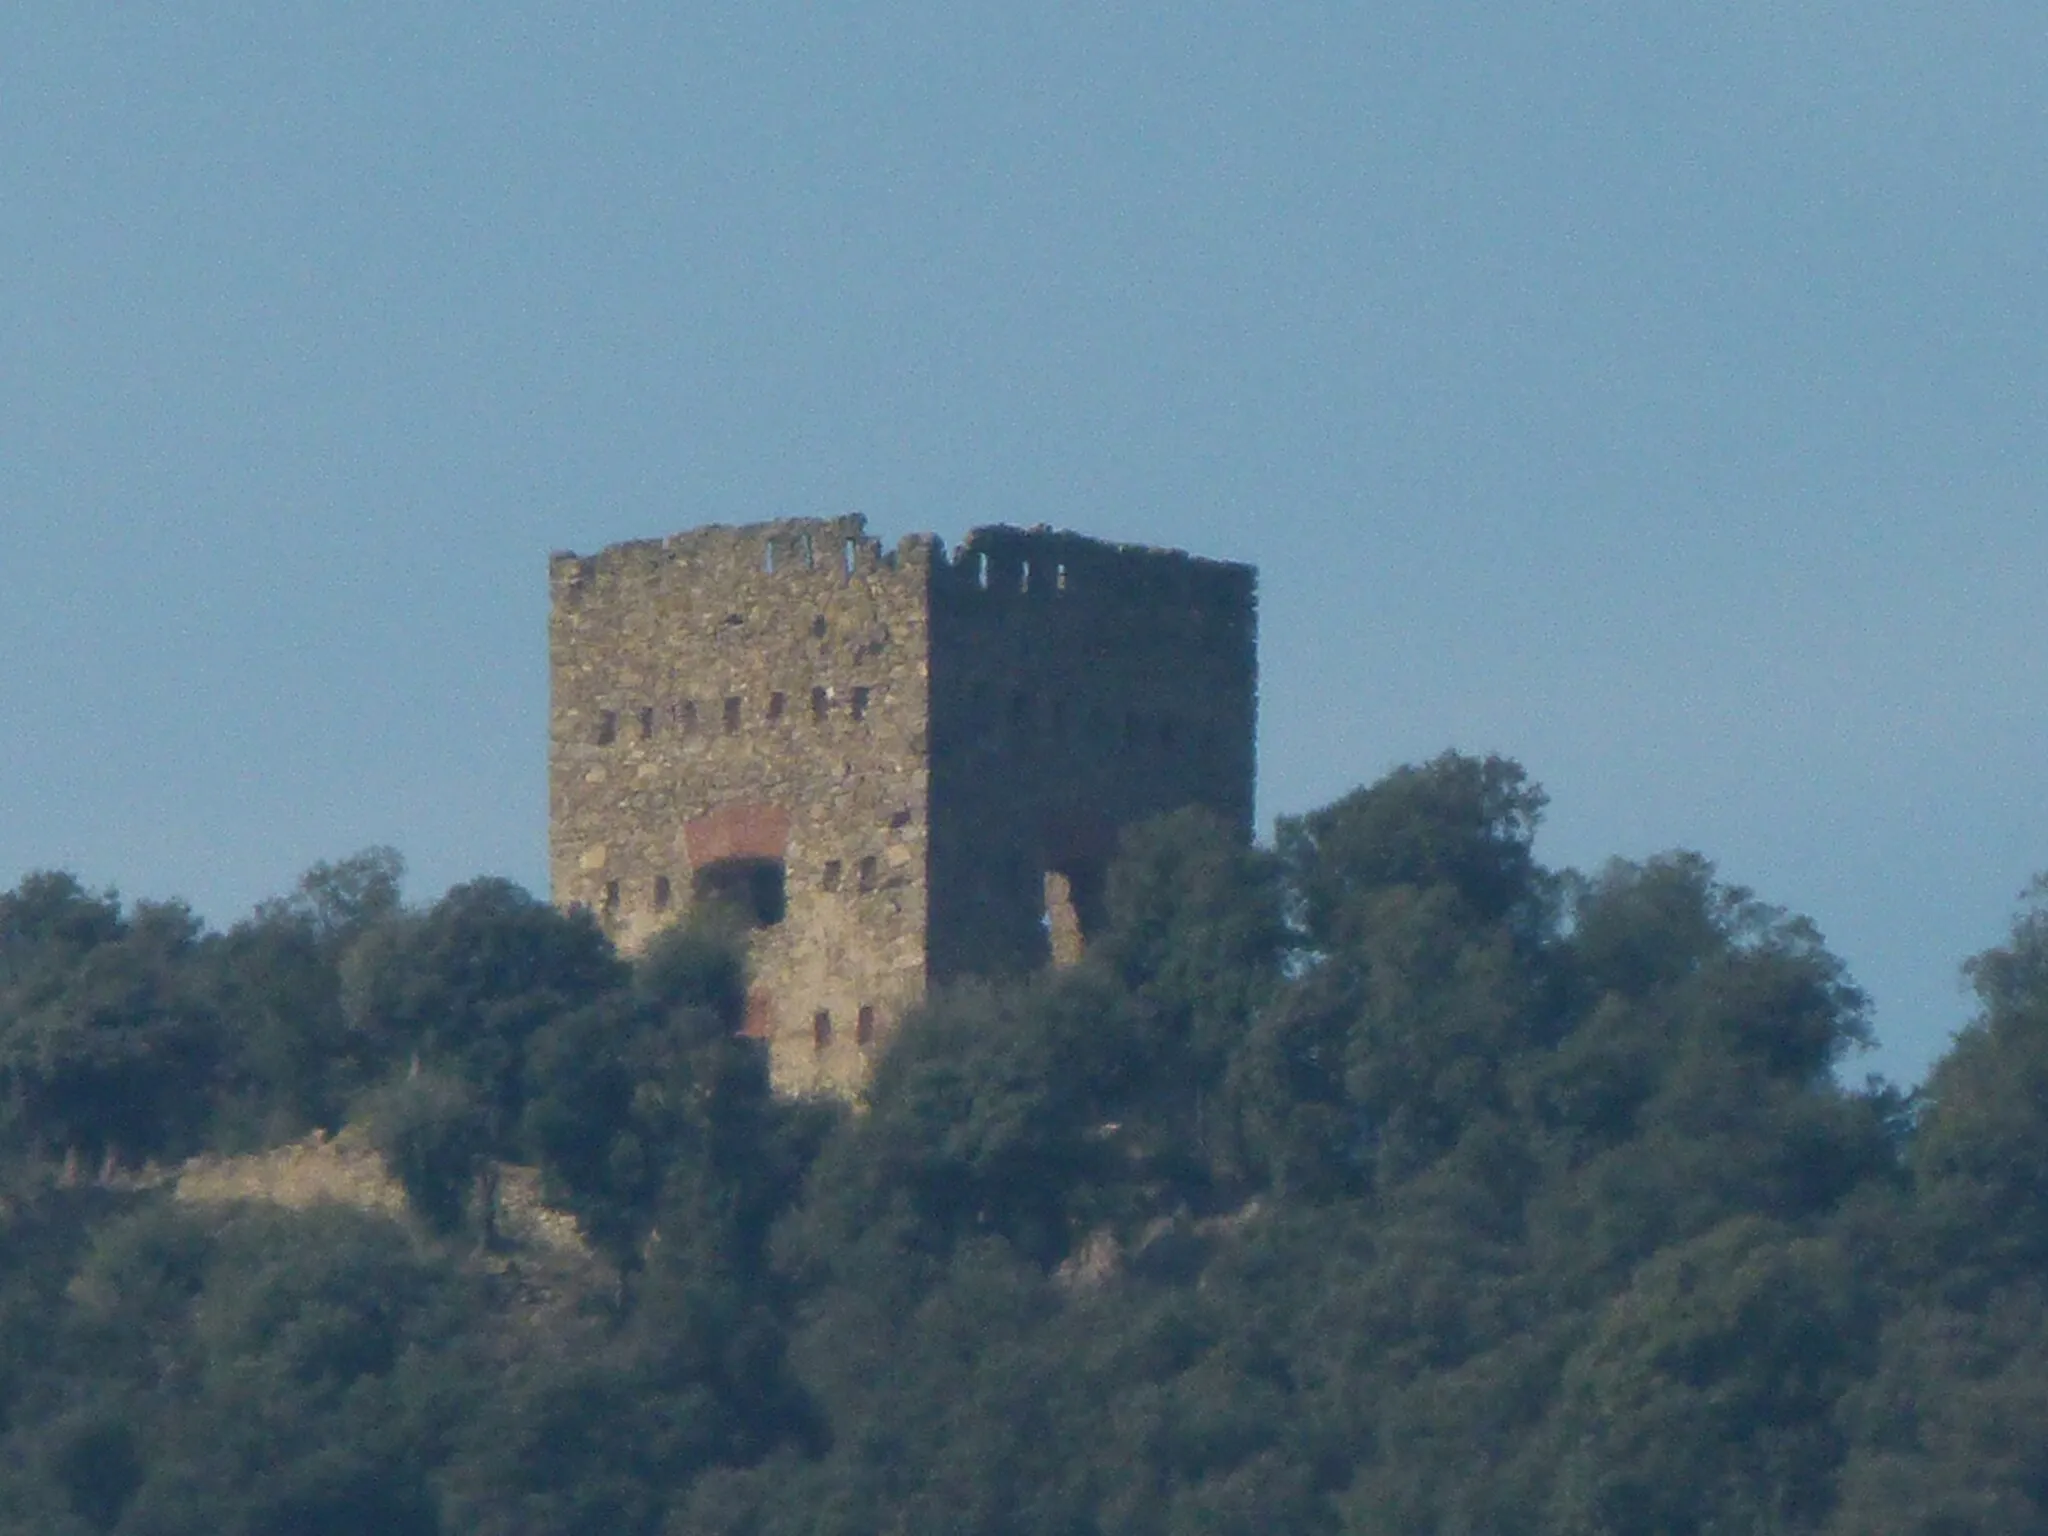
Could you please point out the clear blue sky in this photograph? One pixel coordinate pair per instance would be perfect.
(1651, 393)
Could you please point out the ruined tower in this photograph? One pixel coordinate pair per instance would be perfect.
(899, 767)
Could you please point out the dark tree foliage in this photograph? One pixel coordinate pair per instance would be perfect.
(1385, 1182)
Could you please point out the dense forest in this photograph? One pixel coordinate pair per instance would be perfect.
(1381, 1181)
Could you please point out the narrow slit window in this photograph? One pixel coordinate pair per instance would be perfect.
(860, 703)
(663, 893)
(611, 897)
(686, 716)
(847, 554)
(818, 627)
(810, 552)
(768, 556)
(867, 873)
(646, 723)
(1024, 577)
(981, 572)
(834, 870)
(821, 1028)
(607, 727)
(1059, 578)
(864, 1026)
(821, 703)
(732, 715)
(776, 702)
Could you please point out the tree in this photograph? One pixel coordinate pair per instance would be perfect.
(106, 1044)
(466, 984)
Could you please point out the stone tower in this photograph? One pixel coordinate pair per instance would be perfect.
(899, 767)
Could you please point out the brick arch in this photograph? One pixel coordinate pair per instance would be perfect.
(743, 829)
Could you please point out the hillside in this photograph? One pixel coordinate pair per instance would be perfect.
(1383, 1181)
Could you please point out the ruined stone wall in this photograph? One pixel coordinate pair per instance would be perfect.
(755, 693)
(1076, 687)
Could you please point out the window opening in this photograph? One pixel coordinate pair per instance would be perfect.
(646, 723)
(768, 556)
(867, 873)
(686, 716)
(821, 1028)
(981, 572)
(775, 704)
(607, 727)
(753, 889)
(1073, 911)
(818, 627)
(864, 1026)
(663, 893)
(833, 870)
(848, 555)
(732, 715)
(611, 897)
(900, 819)
(810, 552)
(1024, 577)
(1059, 578)
(821, 702)
(860, 703)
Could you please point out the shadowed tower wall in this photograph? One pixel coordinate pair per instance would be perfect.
(1077, 687)
(898, 767)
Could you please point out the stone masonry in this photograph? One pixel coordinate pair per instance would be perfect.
(898, 768)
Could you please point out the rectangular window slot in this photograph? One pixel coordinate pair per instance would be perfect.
(1059, 578)
(860, 703)
(663, 893)
(846, 554)
(607, 727)
(810, 551)
(867, 873)
(685, 711)
(776, 702)
(611, 897)
(646, 723)
(818, 627)
(732, 715)
(864, 1026)
(768, 556)
(821, 702)
(821, 1029)
(1024, 577)
(981, 572)
(833, 870)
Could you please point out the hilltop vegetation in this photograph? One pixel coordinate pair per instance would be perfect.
(1381, 1182)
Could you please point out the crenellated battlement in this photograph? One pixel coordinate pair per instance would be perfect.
(899, 765)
